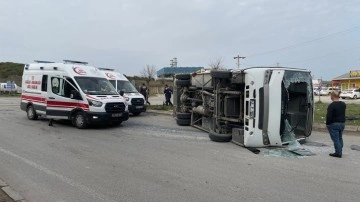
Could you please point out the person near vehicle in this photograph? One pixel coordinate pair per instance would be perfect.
(167, 92)
(145, 92)
(335, 122)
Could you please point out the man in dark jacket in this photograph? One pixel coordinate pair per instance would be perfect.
(335, 122)
(167, 92)
(145, 92)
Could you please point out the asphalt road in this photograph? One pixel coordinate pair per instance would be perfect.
(149, 158)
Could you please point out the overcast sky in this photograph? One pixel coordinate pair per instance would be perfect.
(321, 35)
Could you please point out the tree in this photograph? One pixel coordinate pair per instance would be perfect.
(216, 64)
(148, 73)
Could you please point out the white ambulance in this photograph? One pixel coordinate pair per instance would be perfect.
(136, 101)
(71, 90)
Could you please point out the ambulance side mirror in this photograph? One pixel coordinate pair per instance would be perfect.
(75, 95)
(121, 93)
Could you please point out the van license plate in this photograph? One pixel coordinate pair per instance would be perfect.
(116, 115)
(139, 107)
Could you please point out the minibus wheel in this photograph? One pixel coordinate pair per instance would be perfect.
(183, 76)
(221, 74)
(183, 122)
(31, 113)
(80, 120)
(183, 83)
(180, 115)
(217, 137)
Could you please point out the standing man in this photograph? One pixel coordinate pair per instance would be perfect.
(167, 92)
(335, 122)
(144, 91)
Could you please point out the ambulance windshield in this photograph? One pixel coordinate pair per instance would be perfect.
(126, 86)
(95, 86)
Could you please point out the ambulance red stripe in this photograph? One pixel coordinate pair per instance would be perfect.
(33, 98)
(66, 104)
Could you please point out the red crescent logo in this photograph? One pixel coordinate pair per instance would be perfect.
(79, 71)
(110, 75)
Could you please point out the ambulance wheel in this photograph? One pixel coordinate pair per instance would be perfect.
(79, 120)
(136, 113)
(31, 113)
(217, 137)
(183, 76)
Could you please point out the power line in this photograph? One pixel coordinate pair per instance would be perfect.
(353, 29)
(333, 53)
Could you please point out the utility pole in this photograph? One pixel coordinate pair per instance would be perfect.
(173, 62)
(238, 60)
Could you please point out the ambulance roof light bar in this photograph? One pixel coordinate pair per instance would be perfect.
(108, 69)
(43, 61)
(74, 62)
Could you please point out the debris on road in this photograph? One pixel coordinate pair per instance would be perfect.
(355, 147)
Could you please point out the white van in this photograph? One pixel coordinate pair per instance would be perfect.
(71, 90)
(135, 101)
(5, 87)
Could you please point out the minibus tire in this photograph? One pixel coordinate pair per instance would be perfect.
(80, 120)
(183, 76)
(180, 115)
(31, 113)
(221, 74)
(182, 83)
(183, 122)
(216, 137)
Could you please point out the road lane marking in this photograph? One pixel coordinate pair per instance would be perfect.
(62, 178)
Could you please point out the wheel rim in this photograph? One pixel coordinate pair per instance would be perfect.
(79, 120)
(355, 97)
(30, 112)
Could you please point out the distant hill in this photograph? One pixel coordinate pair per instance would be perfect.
(10, 71)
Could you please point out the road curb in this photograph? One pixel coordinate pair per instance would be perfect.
(14, 195)
(316, 126)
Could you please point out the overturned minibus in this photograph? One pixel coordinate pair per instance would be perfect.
(253, 107)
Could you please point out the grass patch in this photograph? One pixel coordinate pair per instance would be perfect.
(10, 95)
(351, 110)
(160, 107)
